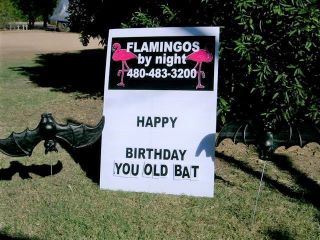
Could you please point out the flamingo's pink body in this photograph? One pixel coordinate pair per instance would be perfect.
(122, 55)
(200, 56)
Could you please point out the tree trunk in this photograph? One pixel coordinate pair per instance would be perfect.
(31, 20)
(45, 17)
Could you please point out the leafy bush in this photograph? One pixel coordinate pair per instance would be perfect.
(8, 13)
(279, 49)
(269, 52)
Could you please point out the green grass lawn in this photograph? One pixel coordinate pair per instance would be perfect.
(69, 204)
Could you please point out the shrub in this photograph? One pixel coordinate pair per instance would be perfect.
(8, 13)
(269, 53)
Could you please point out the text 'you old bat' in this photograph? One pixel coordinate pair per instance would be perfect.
(75, 135)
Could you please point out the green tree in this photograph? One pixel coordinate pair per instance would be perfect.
(93, 18)
(46, 7)
(30, 9)
(8, 13)
(34, 9)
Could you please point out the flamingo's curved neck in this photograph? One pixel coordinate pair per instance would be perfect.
(116, 46)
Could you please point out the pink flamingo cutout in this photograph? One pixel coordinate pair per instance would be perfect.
(200, 56)
(122, 55)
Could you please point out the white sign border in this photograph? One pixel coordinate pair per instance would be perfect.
(170, 32)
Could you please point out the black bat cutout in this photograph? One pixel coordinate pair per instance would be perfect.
(76, 135)
(268, 137)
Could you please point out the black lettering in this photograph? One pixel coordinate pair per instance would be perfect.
(173, 120)
(195, 168)
(126, 168)
(157, 120)
(177, 170)
(129, 153)
(165, 120)
(140, 121)
(135, 171)
(166, 154)
(149, 122)
(174, 155)
(157, 153)
(147, 169)
(149, 151)
(185, 172)
(164, 170)
(118, 167)
(155, 173)
(182, 153)
(141, 153)
(135, 153)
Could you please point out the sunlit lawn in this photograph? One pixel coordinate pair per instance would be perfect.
(69, 204)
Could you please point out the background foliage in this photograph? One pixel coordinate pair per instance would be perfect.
(34, 9)
(269, 49)
(9, 13)
(26, 10)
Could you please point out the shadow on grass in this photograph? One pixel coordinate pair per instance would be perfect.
(18, 236)
(81, 72)
(219, 178)
(279, 235)
(310, 187)
(4, 236)
(88, 158)
(43, 170)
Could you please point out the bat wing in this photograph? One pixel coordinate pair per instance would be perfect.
(303, 134)
(21, 144)
(239, 131)
(79, 135)
(295, 135)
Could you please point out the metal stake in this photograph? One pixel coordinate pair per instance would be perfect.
(258, 194)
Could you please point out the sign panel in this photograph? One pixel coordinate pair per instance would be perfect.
(160, 107)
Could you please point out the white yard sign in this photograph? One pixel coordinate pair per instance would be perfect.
(160, 106)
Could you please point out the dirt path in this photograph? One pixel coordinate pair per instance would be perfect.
(25, 44)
